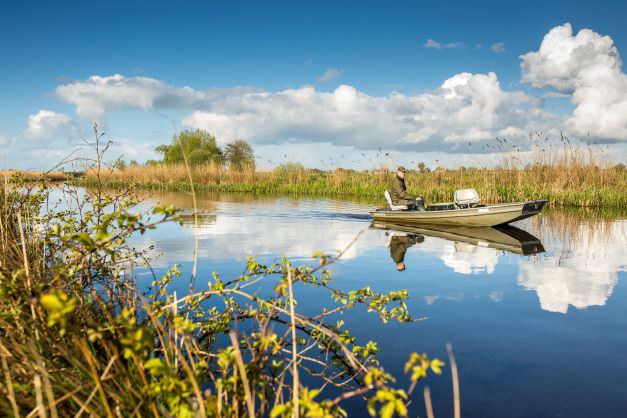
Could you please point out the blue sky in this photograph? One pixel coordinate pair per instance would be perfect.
(377, 48)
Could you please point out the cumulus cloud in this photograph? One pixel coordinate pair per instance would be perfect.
(97, 95)
(498, 47)
(466, 107)
(330, 74)
(588, 67)
(47, 125)
(433, 44)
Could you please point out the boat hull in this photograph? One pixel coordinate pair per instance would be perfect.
(490, 215)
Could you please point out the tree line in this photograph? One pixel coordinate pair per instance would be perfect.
(198, 147)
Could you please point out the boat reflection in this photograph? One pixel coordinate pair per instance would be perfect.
(467, 239)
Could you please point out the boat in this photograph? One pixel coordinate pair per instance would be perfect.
(505, 237)
(464, 211)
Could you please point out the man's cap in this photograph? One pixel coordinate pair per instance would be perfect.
(401, 169)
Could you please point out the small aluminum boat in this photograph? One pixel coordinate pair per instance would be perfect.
(465, 211)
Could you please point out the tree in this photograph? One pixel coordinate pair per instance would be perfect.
(120, 165)
(199, 147)
(239, 155)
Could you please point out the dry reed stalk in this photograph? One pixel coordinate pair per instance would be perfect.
(250, 402)
(295, 395)
(9, 383)
(455, 377)
(39, 399)
(428, 406)
(46, 381)
(95, 377)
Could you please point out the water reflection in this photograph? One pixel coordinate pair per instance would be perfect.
(233, 227)
(582, 268)
(470, 250)
(509, 299)
(566, 260)
(398, 243)
(467, 239)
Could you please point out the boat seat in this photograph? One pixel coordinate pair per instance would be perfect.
(389, 199)
(466, 198)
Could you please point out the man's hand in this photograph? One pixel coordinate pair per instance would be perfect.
(420, 198)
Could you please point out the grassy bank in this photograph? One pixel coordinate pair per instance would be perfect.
(562, 185)
(77, 336)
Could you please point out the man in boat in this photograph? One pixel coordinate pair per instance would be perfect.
(399, 195)
(399, 245)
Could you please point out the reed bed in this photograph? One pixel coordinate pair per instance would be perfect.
(53, 175)
(565, 183)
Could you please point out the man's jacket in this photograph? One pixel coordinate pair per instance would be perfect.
(398, 192)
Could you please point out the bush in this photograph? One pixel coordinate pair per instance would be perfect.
(198, 147)
(239, 155)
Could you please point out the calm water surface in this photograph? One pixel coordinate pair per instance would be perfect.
(535, 335)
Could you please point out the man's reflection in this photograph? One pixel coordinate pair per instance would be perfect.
(399, 242)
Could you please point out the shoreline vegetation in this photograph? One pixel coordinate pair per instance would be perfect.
(562, 186)
(567, 173)
(78, 336)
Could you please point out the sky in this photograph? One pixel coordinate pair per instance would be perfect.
(355, 84)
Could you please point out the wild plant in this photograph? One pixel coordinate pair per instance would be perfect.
(79, 336)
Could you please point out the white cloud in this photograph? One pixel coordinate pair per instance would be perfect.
(330, 74)
(498, 47)
(466, 107)
(587, 66)
(433, 44)
(97, 95)
(47, 125)
(3, 139)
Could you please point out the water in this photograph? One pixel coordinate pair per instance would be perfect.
(535, 335)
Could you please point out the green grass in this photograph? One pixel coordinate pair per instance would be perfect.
(493, 186)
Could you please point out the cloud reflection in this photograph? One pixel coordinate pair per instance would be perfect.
(580, 269)
(235, 229)
(469, 259)
(583, 268)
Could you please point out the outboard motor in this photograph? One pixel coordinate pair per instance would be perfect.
(466, 198)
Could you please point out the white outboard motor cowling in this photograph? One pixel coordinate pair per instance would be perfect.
(466, 197)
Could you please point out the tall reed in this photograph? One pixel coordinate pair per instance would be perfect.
(564, 184)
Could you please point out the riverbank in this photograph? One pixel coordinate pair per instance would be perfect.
(563, 186)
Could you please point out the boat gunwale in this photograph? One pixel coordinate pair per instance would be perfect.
(457, 212)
